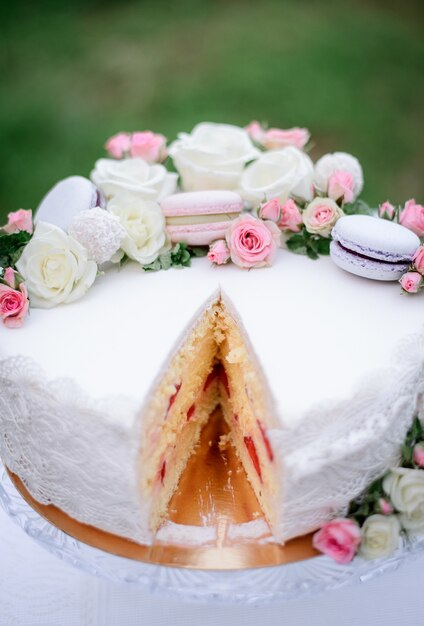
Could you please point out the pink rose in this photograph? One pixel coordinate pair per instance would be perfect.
(149, 146)
(14, 303)
(276, 139)
(219, 252)
(271, 210)
(418, 454)
(118, 145)
(253, 242)
(256, 132)
(386, 210)
(385, 506)
(412, 217)
(291, 217)
(341, 186)
(411, 282)
(418, 260)
(19, 220)
(338, 539)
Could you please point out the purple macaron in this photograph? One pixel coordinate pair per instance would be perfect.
(372, 247)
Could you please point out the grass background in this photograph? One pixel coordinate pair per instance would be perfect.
(73, 73)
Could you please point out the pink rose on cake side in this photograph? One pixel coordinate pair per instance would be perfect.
(418, 260)
(320, 216)
(291, 217)
(19, 220)
(338, 539)
(412, 217)
(219, 252)
(418, 454)
(341, 186)
(386, 210)
(411, 282)
(14, 303)
(252, 241)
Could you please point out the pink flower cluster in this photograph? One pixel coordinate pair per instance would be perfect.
(413, 280)
(276, 138)
(145, 144)
(250, 242)
(287, 216)
(14, 303)
(411, 216)
(19, 220)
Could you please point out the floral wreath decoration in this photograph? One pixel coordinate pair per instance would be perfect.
(43, 265)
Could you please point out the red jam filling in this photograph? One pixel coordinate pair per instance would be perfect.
(190, 412)
(266, 441)
(162, 472)
(251, 448)
(220, 373)
(173, 397)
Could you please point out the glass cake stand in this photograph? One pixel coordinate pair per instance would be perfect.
(213, 494)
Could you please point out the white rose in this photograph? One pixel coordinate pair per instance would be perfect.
(55, 267)
(150, 182)
(278, 174)
(327, 165)
(212, 156)
(406, 490)
(320, 216)
(144, 225)
(379, 536)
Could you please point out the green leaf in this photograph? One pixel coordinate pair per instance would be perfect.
(323, 245)
(11, 247)
(358, 208)
(198, 251)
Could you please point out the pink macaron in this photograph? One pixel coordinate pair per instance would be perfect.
(200, 217)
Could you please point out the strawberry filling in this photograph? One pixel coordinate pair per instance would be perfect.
(162, 472)
(173, 397)
(190, 412)
(266, 441)
(251, 448)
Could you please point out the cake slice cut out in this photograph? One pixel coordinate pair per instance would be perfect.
(215, 366)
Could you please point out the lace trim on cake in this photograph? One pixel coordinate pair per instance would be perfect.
(341, 447)
(326, 459)
(93, 476)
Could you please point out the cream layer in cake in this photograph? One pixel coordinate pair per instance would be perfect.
(331, 367)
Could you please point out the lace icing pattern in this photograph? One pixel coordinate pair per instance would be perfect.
(92, 476)
(341, 447)
(326, 459)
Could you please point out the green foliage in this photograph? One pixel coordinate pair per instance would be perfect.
(359, 207)
(311, 245)
(179, 257)
(11, 247)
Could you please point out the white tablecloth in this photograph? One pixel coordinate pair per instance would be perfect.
(37, 589)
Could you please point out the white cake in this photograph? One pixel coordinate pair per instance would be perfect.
(342, 357)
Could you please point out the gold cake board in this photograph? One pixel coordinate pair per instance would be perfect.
(214, 488)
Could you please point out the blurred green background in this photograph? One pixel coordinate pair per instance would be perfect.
(73, 73)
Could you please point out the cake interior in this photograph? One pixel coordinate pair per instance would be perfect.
(214, 367)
